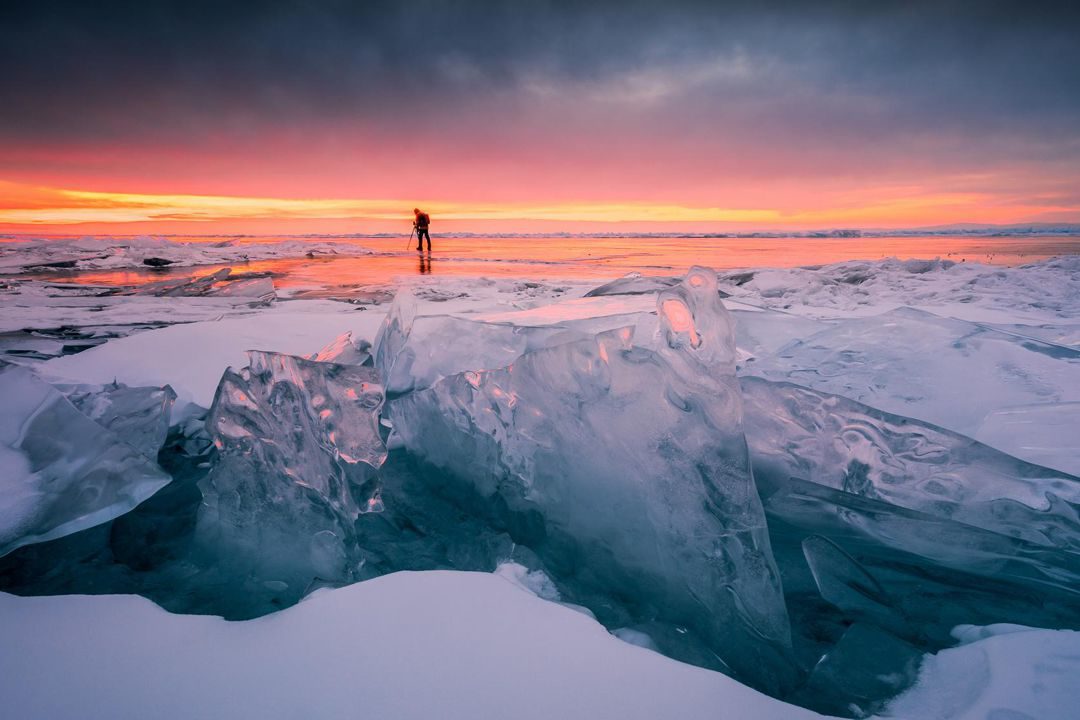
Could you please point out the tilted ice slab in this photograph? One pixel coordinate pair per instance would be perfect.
(1066, 334)
(948, 372)
(634, 284)
(870, 528)
(797, 432)
(216, 284)
(61, 472)
(626, 467)
(299, 445)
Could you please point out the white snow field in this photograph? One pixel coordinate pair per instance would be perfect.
(900, 382)
(998, 672)
(408, 645)
(411, 646)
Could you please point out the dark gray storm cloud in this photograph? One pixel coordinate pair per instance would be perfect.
(860, 70)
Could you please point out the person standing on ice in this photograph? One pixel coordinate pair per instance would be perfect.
(421, 223)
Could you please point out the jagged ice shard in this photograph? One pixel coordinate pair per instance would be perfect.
(623, 465)
(414, 352)
(61, 472)
(140, 415)
(298, 449)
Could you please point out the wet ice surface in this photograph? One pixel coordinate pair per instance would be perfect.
(602, 443)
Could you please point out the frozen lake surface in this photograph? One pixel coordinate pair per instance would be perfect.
(342, 261)
(842, 471)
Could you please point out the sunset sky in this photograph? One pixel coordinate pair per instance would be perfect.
(327, 117)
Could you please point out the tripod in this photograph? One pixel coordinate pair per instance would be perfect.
(411, 233)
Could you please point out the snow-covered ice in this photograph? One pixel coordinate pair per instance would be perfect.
(949, 372)
(999, 672)
(409, 645)
(449, 645)
(1042, 292)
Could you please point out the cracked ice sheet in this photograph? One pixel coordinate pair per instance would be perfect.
(54, 312)
(469, 645)
(105, 253)
(1042, 292)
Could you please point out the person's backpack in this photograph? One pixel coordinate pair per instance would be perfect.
(423, 220)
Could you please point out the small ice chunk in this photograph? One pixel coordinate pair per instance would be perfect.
(345, 350)
(257, 288)
(635, 637)
(185, 287)
(534, 581)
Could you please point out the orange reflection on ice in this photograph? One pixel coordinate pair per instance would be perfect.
(581, 258)
(680, 320)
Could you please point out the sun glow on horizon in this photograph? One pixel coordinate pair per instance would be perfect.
(26, 207)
